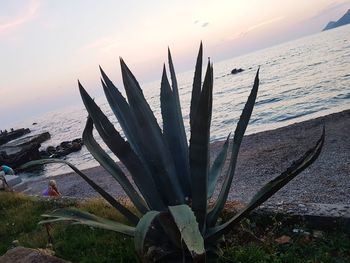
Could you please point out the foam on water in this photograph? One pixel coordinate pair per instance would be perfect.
(299, 80)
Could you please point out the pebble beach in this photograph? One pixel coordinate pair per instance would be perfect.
(262, 157)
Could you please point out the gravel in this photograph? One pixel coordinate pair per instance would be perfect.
(262, 157)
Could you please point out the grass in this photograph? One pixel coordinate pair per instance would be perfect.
(251, 242)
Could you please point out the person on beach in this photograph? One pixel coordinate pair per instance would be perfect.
(52, 189)
(7, 170)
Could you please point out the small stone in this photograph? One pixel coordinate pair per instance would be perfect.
(15, 243)
(317, 234)
(283, 240)
(301, 232)
(298, 231)
(305, 239)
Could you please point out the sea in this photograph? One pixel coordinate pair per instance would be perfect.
(299, 80)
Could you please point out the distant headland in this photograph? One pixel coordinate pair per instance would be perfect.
(344, 20)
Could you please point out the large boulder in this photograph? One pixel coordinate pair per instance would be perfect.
(20, 151)
(12, 135)
(38, 138)
(29, 255)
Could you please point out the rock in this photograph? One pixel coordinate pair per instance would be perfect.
(283, 240)
(76, 146)
(38, 138)
(13, 180)
(12, 135)
(66, 144)
(17, 156)
(51, 149)
(63, 149)
(317, 234)
(300, 232)
(29, 255)
(20, 151)
(305, 239)
(34, 123)
(236, 70)
(78, 140)
(15, 243)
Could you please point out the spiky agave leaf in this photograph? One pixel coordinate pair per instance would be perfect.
(237, 140)
(142, 228)
(111, 200)
(199, 149)
(187, 224)
(197, 85)
(157, 153)
(126, 117)
(84, 218)
(181, 223)
(112, 168)
(268, 190)
(140, 173)
(123, 113)
(183, 138)
(216, 168)
(173, 127)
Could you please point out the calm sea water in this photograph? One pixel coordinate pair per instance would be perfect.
(299, 80)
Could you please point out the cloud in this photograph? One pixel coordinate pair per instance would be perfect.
(256, 26)
(264, 23)
(104, 44)
(19, 20)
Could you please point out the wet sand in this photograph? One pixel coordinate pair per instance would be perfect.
(262, 157)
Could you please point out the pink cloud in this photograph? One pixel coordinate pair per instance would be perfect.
(104, 44)
(19, 20)
(256, 26)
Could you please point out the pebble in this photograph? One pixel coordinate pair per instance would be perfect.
(263, 156)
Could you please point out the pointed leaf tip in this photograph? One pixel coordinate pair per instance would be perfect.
(101, 70)
(164, 75)
(81, 88)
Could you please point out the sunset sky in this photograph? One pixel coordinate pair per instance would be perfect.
(47, 45)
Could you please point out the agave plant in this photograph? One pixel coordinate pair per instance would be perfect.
(171, 179)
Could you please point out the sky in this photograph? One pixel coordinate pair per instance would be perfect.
(46, 45)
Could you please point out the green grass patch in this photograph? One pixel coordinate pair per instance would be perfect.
(251, 242)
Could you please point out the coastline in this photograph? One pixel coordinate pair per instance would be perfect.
(262, 157)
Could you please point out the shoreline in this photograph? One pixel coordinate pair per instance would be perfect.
(263, 156)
